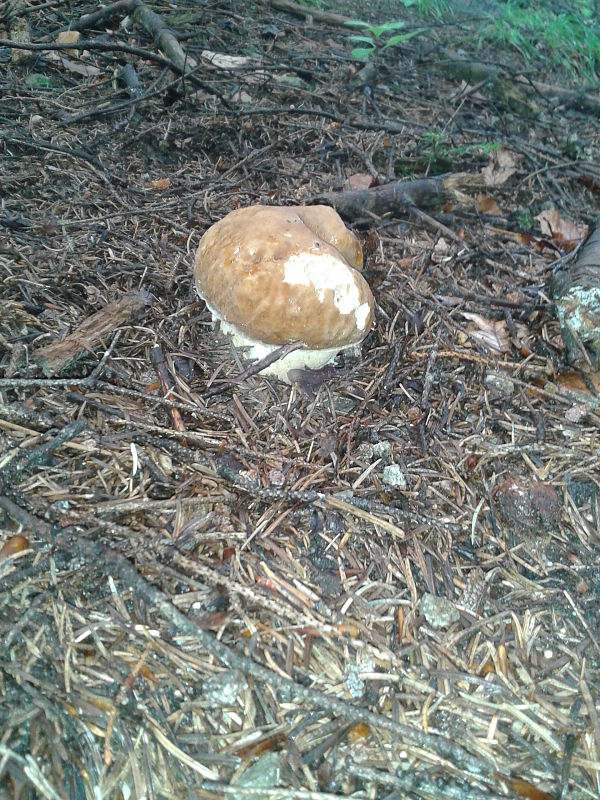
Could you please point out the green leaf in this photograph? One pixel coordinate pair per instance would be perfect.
(377, 30)
(356, 23)
(391, 26)
(356, 38)
(401, 37)
(363, 52)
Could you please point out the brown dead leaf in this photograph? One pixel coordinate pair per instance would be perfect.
(487, 205)
(78, 67)
(242, 97)
(502, 165)
(160, 184)
(86, 70)
(225, 61)
(560, 228)
(574, 381)
(69, 37)
(526, 505)
(491, 333)
(441, 252)
(17, 544)
(360, 180)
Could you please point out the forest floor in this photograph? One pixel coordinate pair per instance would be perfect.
(382, 582)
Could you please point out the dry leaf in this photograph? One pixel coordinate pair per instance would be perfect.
(527, 505)
(441, 252)
(87, 70)
(557, 227)
(464, 87)
(487, 205)
(69, 37)
(14, 545)
(241, 97)
(360, 180)
(574, 381)
(222, 61)
(502, 165)
(160, 184)
(491, 333)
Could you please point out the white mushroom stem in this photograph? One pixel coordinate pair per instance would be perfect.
(299, 359)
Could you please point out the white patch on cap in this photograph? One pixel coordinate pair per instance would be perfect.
(324, 272)
(362, 314)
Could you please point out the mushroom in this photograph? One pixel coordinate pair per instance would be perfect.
(274, 275)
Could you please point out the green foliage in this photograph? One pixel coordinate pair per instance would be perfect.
(437, 152)
(433, 8)
(569, 38)
(559, 32)
(369, 40)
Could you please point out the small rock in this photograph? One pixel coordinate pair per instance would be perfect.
(224, 688)
(528, 506)
(346, 495)
(353, 676)
(438, 611)
(364, 451)
(276, 477)
(393, 476)
(265, 773)
(382, 450)
(499, 384)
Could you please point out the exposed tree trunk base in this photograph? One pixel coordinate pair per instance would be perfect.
(576, 292)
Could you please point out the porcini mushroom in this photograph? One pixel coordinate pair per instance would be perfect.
(274, 275)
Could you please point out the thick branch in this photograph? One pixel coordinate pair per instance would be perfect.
(305, 11)
(58, 355)
(398, 196)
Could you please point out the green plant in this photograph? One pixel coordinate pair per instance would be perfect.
(437, 152)
(369, 41)
(434, 8)
(570, 38)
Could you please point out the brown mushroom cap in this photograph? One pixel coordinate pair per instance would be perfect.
(285, 274)
(329, 226)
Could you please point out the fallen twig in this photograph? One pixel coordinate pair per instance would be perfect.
(56, 356)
